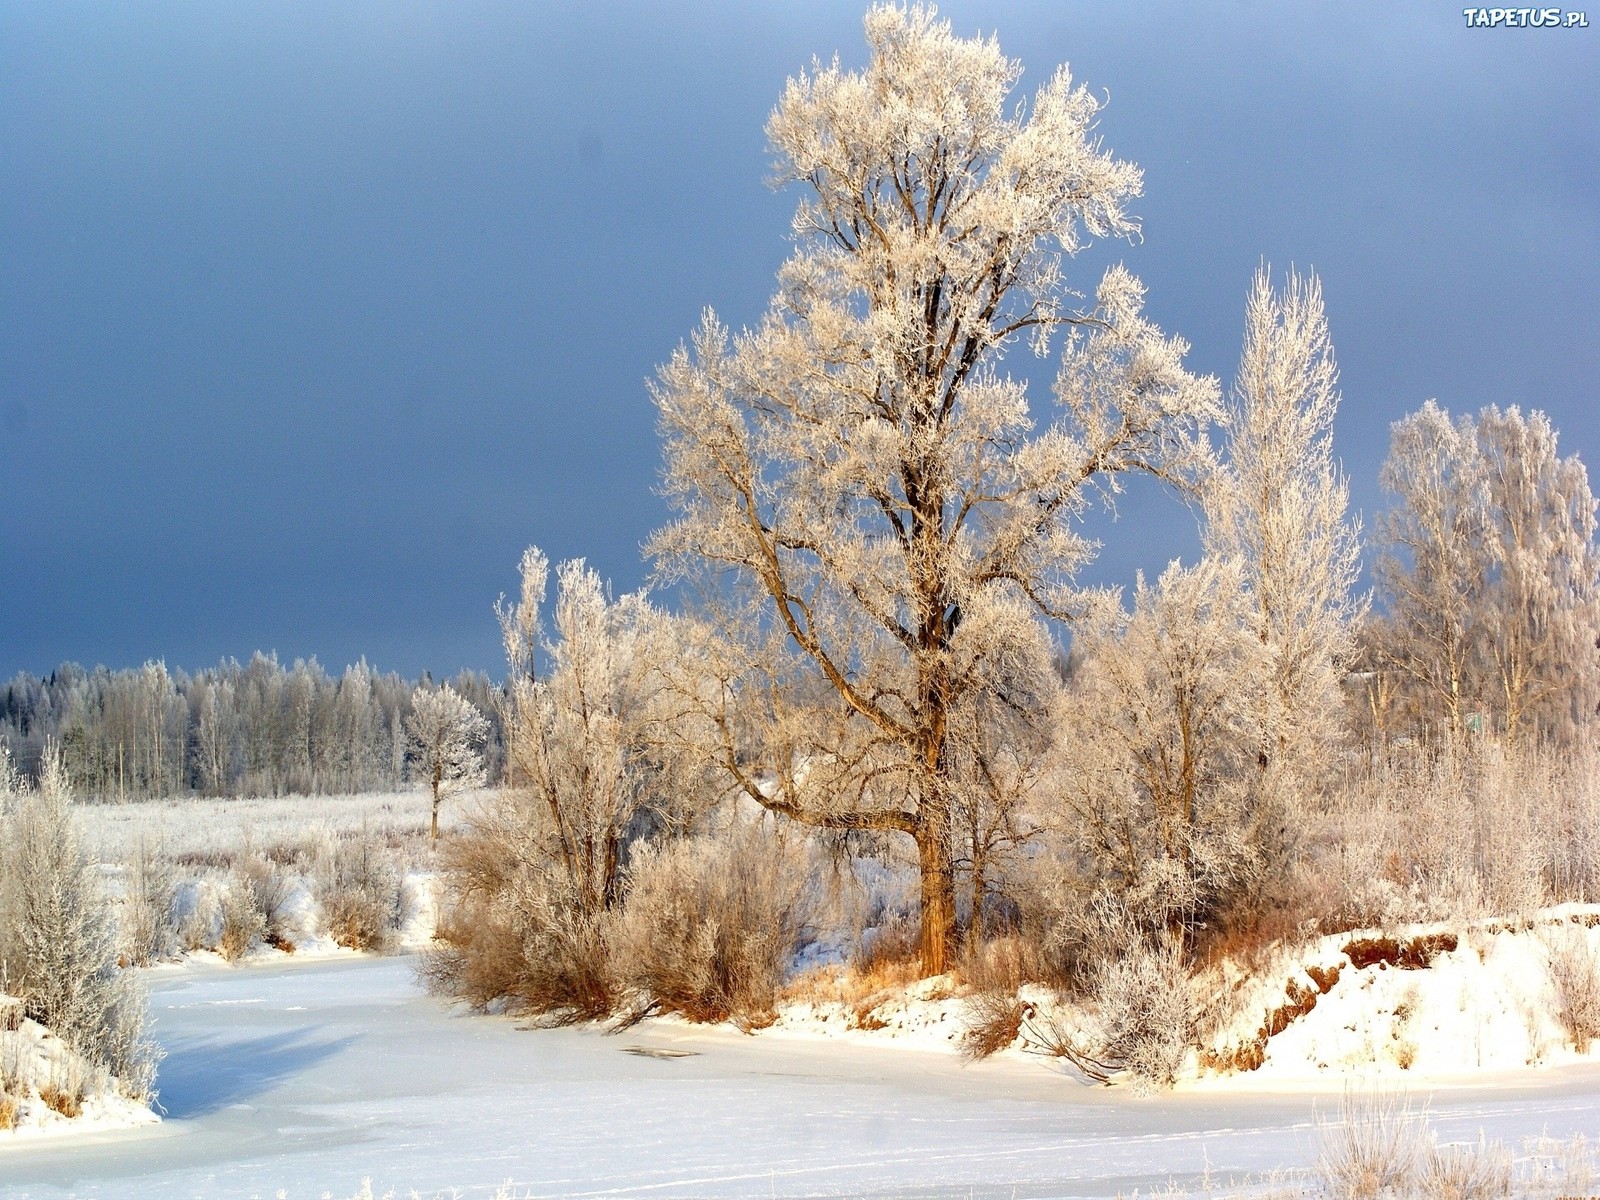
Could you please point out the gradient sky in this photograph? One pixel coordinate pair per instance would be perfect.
(314, 314)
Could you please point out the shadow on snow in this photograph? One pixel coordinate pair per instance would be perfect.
(203, 1075)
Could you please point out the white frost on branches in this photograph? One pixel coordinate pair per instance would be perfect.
(860, 461)
(1278, 511)
(1489, 571)
(447, 733)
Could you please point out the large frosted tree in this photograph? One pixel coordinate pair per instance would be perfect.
(860, 462)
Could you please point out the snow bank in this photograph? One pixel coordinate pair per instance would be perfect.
(1435, 1000)
(47, 1090)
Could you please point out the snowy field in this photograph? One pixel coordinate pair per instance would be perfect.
(307, 1078)
(201, 830)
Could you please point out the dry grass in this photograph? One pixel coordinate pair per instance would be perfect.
(886, 962)
(1475, 1172)
(993, 1022)
(1375, 1146)
(9, 1105)
(68, 1101)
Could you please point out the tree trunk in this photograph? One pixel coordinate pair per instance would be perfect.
(937, 943)
(433, 832)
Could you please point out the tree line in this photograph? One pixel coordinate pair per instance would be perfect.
(258, 729)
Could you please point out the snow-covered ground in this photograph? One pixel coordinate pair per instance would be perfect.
(198, 829)
(311, 1076)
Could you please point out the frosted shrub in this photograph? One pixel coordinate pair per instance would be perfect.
(1145, 1009)
(273, 890)
(1521, 833)
(512, 930)
(711, 924)
(1575, 976)
(197, 913)
(242, 923)
(148, 929)
(358, 888)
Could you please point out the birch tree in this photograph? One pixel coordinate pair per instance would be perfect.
(860, 464)
(1277, 512)
(447, 733)
(1431, 570)
(1544, 596)
(1489, 571)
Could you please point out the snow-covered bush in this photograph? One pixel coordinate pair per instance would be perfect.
(242, 922)
(274, 889)
(58, 941)
(1471, 829)
(515, 933)
(1575, 975)
(358, 888)
(147, 922)
(711, 924)
(1161, 798)
(1145, 1009)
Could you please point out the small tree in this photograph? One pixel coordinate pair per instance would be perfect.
(58, 943)
(536, 878)
(582, 767)
(1161, 794)
(447, 733)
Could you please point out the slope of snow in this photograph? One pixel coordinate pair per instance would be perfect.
(1462, 1000)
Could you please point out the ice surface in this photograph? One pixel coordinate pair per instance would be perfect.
(311, 1076)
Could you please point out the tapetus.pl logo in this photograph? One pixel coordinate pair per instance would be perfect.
(1525, 18)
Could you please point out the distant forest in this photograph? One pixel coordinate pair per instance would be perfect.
(256, 730)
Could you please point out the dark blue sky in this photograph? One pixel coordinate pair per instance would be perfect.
(312, 315)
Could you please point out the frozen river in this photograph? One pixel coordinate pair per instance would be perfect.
(310, 1077)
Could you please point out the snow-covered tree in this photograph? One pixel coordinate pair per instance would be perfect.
(536, 878)
(447, 733)
(1277, 511)
(860, 462)
(581, 736)
(58, 945)
(1489, 572)
(1543, 615)
(1162, 796)
(1431, 569)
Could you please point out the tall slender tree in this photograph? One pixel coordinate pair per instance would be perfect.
(1277, 512)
